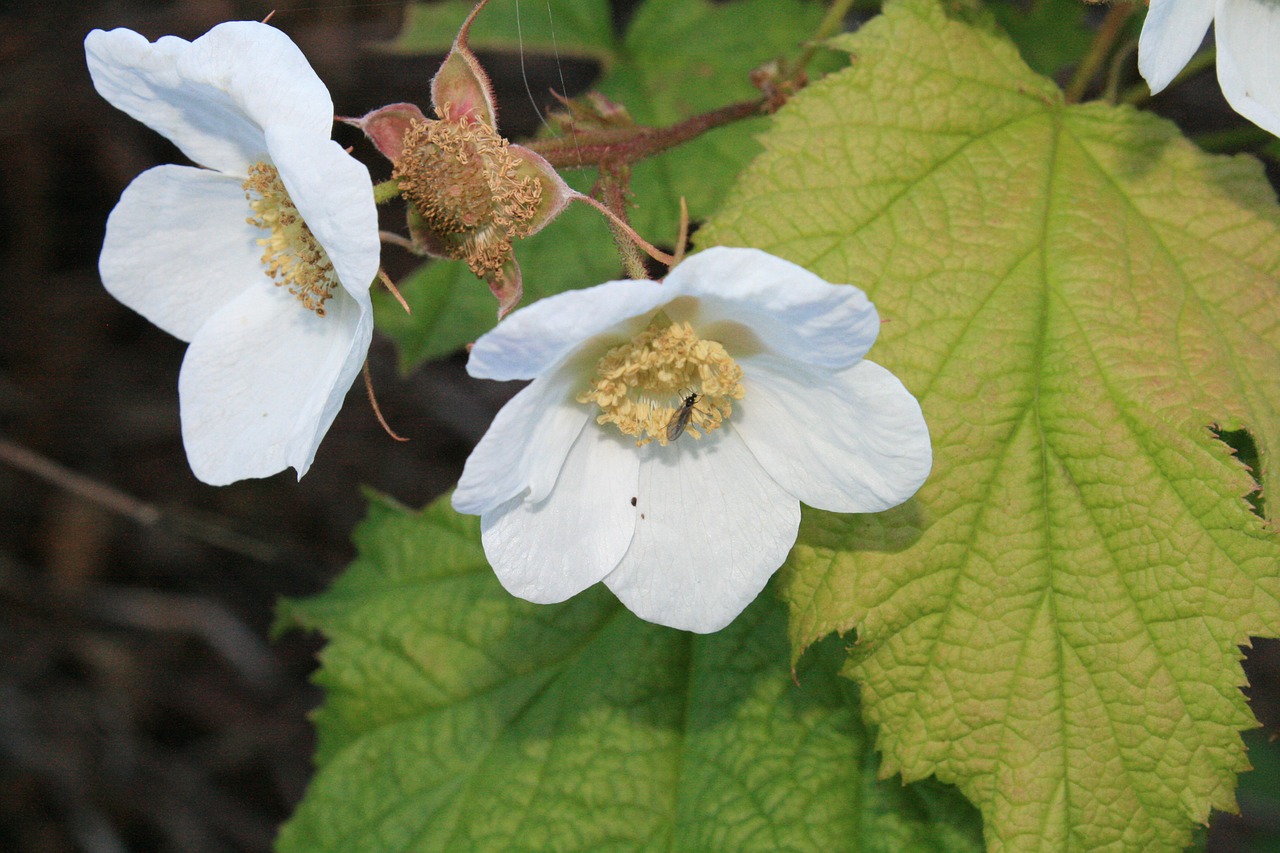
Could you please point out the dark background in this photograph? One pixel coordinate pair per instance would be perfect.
(142, 706)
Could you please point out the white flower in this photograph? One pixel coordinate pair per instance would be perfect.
(262, 260)
(1247, 33)
(582, 476)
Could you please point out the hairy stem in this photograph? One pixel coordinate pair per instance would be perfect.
(385, 191)
(619, 224)
(627, 145)
(612, 186)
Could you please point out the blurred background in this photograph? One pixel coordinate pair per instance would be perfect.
(143, 704)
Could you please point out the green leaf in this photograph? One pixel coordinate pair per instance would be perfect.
(578, 28)
(1050, 34)
(460, 718)
(677, 59)
(1078, 296)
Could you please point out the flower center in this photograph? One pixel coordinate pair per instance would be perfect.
(465, 182)
(292, 255)
(665, 381)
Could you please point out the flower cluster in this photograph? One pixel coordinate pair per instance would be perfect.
(671, 429)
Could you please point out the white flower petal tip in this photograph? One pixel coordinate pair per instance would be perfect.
(1246, 33)
(865, 446)
(262, 259)
(672, 431)
(212, 97)
(1171, 34)
(1248, 39)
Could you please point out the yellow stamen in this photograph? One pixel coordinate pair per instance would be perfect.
(292, 255)
(641, 385)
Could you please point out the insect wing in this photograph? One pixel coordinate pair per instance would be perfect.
(680, 420)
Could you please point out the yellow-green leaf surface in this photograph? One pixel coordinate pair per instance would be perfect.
(459, 718)
(1078, 296)
(677, 58)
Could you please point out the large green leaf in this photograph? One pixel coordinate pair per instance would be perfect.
(1051, 34)
(1080, 298)
(678, 58)
(460, 718)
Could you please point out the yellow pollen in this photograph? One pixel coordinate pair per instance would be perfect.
(640, 386)
(292, 255)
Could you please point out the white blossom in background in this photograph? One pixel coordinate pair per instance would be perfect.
(262, 259)
(586, 474)
(1247, 34)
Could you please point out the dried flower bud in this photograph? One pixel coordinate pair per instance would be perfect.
(471, 192)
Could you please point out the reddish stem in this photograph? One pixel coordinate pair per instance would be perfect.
(627, 145)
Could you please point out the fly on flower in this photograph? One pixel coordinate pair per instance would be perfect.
(786, 405)
(261, 259)
(680, 420)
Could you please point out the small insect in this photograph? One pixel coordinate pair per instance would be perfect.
(680, 419)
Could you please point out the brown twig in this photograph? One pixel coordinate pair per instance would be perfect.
(78, 484)
(132, 508)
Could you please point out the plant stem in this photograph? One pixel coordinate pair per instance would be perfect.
(1103, 42)
(621, 228)
(612, 187)
(386, 190)
(628, 145)
(1119, 61)
(832, 23)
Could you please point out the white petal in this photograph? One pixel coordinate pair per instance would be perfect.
(178, 247)
(787, 308)
(1248, 37)
(852, 441)
(333, 192)
(525, 446)
(538, 336)
(549, 550)
(713, 528)
(263, 380)
(212, 97)
(1171, 34)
